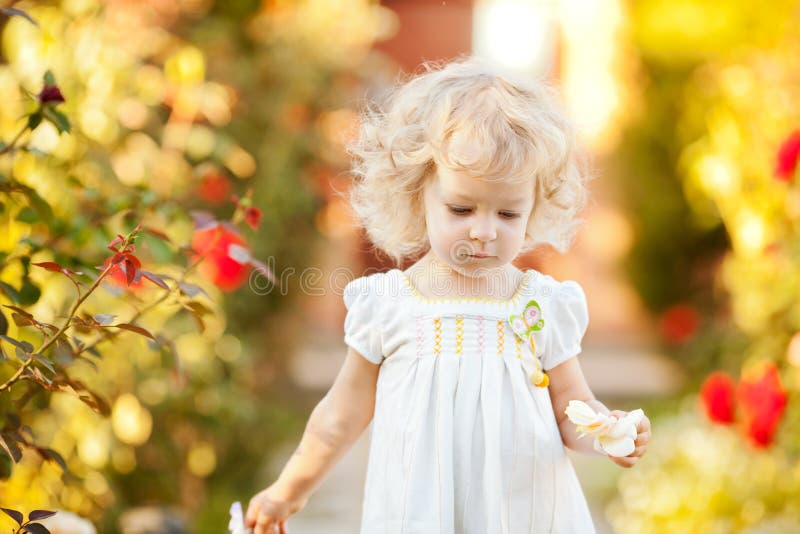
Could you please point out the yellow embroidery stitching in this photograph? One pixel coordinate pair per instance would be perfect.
(518, 343)
(459, 333)
(437, 336)
(500, 338)
(526, 277)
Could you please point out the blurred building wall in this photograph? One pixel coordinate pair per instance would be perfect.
(429, 30)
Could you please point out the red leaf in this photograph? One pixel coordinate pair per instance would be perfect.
(18, 310)
(16, 516)
(36, 515)
(135, 328)
(157, 280)
(50, 266)
(130, 271)
(252, 217)
(36, 528)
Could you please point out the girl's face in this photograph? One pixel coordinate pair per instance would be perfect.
(476, 226)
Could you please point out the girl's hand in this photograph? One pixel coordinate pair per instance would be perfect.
(642, 439)
(269, 509)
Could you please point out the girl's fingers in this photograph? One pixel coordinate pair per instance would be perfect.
(627, 461)
(265, 525)
(643, 438)
(643, 426)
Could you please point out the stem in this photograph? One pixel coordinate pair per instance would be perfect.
(147, 308)
(10, 147)
(8, 383)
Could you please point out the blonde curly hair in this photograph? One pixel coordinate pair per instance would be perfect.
(468, 117)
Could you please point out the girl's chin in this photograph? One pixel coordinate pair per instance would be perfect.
(475, 267)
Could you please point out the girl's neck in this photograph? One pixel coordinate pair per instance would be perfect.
(433, 278)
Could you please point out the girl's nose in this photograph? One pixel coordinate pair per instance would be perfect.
(483, 229)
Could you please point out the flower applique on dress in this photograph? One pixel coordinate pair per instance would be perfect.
(524, 326)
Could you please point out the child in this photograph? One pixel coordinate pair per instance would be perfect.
(463, 363)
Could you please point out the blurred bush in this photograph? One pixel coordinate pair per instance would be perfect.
(174, 107)
(723, 82)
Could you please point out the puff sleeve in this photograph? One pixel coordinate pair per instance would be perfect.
(569, 318)
(362, 323)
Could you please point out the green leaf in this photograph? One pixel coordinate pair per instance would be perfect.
(24, 345)
(27, 215)
(34, 119)
(44, 361)
(158, 248)
(37, 203)
(59, 120)
(29, 293)
(16, 516)
(10, 292)
(62, 352)
(22, 355)
(49, 79)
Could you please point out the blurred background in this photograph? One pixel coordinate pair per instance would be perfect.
(182, 112)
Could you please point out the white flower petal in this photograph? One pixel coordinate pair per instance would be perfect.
(612, 436)
(236, 524)
(239, 254)
(617, 447)
(581, 414)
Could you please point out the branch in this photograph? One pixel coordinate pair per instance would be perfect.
(8, 148)
(8, 383)
(147, 308)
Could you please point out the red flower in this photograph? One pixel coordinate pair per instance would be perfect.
(718, 397)
(214, 187)
(762, 400)
(679, 323)
(225, 260)
(788, 154)
(51, 94)
(252, 217)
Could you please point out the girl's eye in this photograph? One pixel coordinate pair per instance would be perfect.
(509, 214)
(459, 211)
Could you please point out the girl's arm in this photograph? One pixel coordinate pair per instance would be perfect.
(568, 383)
(334, 425)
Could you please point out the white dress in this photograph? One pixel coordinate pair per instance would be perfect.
(462, 442)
